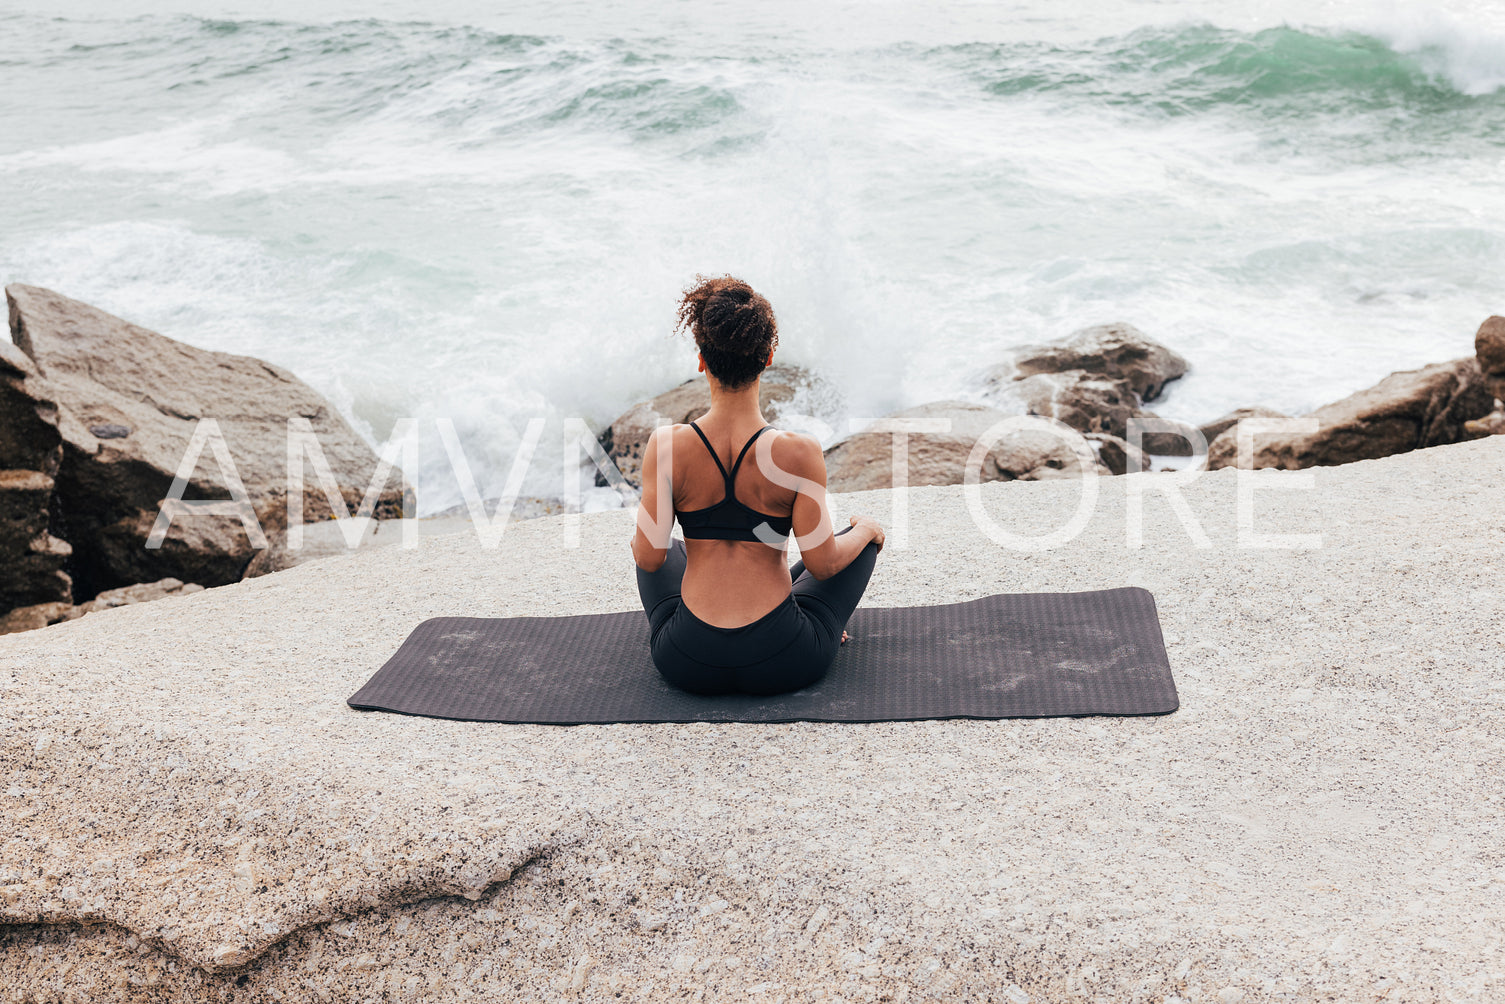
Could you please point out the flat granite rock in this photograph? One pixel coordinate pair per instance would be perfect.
(190, 812)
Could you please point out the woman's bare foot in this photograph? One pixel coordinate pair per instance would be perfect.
(845, 637)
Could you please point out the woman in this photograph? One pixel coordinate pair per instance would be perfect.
(726, 612)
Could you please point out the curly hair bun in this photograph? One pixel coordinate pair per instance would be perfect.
(734, 328)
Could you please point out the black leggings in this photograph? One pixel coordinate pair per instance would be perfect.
(791, 646)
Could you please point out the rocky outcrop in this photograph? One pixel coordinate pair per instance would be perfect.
(1094, 380)
(625, 438)
(126, 402)
(1405, 411)
(1212, 430)
(864, 461)
(1119, 352)
(1489, 348)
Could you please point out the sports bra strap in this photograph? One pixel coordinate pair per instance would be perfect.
(712, 451)
(738, 465)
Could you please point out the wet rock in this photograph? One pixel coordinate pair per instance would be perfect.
(865, 461)
(1212, 430)
(127, 401)
(625, 438)
(1176, 442)
(1117, 352)
(1118, 455)
(1405, 411)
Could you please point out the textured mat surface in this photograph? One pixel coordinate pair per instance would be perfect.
(1013, 656)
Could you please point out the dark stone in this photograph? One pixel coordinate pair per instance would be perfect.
(1118, 456)
(1177, 442)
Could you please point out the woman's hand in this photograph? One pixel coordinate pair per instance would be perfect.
(872, 526)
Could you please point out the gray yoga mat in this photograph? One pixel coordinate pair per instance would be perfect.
(1033, 655)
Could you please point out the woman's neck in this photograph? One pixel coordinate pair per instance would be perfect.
(734, 407)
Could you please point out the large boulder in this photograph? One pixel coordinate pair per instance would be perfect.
(127, 401)
(626, 437)
(1081, 400)
(865, 460)
(1118, 351)
(1094, 380)
(1489, 347)
(1405, 411)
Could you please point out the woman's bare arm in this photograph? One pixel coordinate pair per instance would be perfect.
(823, 552)
(655, 516)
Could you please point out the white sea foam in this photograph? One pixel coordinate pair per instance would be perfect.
(1465, 48)
(484, 226)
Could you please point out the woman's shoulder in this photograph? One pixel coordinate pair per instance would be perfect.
(796, 452)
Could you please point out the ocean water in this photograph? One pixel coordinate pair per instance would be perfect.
(451, 211)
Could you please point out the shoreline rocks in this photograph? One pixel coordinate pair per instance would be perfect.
(1080, 400)
(128, 401)
(1119, 352)
(1095, 380)
(864, 461)
(1409, 410)
(96, 415)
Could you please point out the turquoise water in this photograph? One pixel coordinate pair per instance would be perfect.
(487, 216)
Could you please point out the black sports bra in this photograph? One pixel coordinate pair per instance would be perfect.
(729, 519)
